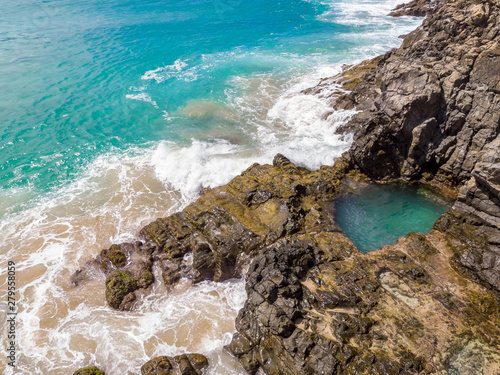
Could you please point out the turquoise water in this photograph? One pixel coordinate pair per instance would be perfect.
(376, 215)
(87, 78)
(114, 113)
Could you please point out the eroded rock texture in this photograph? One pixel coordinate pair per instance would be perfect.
(185, 364)
(429, 112)
(217, 236)
(431, 106)
(88, 371)
(317, 306)
(417, 8)
(429, 304)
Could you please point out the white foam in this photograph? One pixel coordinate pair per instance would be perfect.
(202, 164)
(177, 70)
(61, 328)
(363, 13)
(120, 191)
(142, 97)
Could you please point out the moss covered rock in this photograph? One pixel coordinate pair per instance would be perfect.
(185, 364)
(114, 255)
(89, 371)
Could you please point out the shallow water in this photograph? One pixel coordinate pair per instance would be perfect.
(376, 215)
(114, 113)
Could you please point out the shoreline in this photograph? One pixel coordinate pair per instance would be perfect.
(313, 299)
(315, 303)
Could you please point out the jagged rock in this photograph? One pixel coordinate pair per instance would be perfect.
(215, 237)
(417, 8)
(473, 226)
(113, 255)
(444, 80)
(185, 364)
(88, 371)
(429, 113)
(316, 305)
(130, 270)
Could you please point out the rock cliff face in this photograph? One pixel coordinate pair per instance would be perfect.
(433, 103)
(432, 114)
(429, 113)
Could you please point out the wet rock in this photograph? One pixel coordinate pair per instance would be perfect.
(119, 285)
(113, 255)
(417, 8)
(428, 304)
(129, 269)
(185, 364)
(216, 237)
(89, 371)
(433, 101)
(354, 313)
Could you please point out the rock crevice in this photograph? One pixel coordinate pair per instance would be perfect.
(428, 113)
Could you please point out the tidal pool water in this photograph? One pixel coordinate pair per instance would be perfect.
(375, 215)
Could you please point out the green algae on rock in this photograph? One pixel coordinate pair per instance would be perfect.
(89, 371)
(316, 304)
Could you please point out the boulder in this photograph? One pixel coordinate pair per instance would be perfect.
(185, 364)
(88, 371)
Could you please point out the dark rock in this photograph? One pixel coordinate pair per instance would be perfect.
(157, 366)
(118, 285)
(348, 303)
(434, 99)
(281, 161)
(417, 8)
(215, 237)
(428, 304)
(88, 371)
(185, 364)
(114, 255)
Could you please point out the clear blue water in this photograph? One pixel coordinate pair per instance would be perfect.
(376, 215)
(85, 78)
(116, 112)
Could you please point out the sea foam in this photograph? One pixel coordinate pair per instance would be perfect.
(50, 236)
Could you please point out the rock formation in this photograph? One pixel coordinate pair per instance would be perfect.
(433, 102)
(217, 236)
(417, 8)
(89, 371)
(428, 113)
(429, 304)
(186, 364)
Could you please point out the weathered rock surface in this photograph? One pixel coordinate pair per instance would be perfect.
(476, 217)
(429, 304)
(216, 237)
(433, 103)
(129, 268)
(185, 364)
(317, 305)
(417, 8)
(89, 371)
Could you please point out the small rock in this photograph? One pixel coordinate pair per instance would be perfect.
(89, 371)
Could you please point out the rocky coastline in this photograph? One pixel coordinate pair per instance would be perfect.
(428, 113)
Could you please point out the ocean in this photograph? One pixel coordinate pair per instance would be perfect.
(114, 113)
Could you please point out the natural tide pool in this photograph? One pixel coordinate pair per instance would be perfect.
(373, 215)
